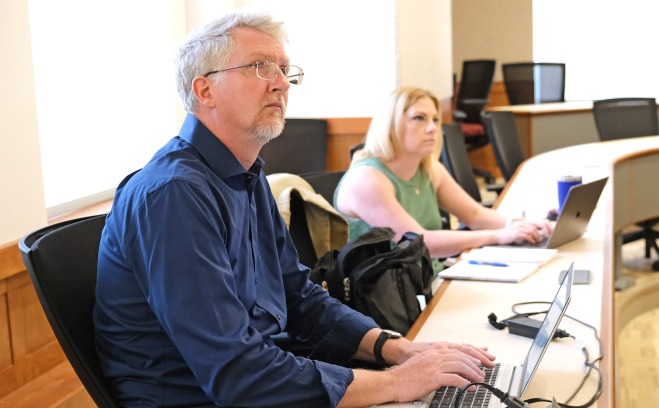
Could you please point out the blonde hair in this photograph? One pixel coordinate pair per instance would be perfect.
(383, 139)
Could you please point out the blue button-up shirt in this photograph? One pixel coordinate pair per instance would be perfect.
(196, 271)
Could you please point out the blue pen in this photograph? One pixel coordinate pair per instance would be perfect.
(500, 264)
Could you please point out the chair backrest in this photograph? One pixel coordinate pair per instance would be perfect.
(502, 132)
(534, 82)
(622, 118)
(475, 85)
(324, 183)
(301, 148)
(456, 160)
(61, 260)
(355, 148)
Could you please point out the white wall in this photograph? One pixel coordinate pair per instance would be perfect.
(424, 39)
(607, 45)
(493, 29)
(21, 188)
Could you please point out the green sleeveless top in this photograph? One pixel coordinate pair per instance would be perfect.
(417, 196)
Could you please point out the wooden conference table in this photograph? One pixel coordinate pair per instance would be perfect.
(459, 309)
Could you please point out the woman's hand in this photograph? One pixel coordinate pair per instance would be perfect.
(521, 230)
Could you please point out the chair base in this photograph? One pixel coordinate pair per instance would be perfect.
(489, 177)
(650, 236)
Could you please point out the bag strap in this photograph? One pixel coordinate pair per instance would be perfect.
(412, 252)
(374, 241)
(407, 254)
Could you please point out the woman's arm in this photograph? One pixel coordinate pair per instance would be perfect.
(452, 198)
(367, 194)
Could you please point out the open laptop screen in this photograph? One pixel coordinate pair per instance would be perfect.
(547, 329)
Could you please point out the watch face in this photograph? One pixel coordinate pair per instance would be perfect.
(392, 334)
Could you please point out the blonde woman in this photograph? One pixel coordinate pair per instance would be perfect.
(397, 181)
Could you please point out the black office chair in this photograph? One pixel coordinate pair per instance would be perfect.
(324, 183)
(473, 93)
(454, 157)
(622, 118)
(61, 260)
(534, 82)
(502, 131)
(301, 148)
(355, 148)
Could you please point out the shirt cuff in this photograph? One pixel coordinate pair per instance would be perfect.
(335, 379)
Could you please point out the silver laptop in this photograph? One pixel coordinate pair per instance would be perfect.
(573, 220)
(507, 377)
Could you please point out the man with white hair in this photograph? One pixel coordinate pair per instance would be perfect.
(197, 271)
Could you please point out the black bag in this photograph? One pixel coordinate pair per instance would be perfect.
(378, 278)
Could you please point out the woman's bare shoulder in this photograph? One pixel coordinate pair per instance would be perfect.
(364, 176)
(362, 186)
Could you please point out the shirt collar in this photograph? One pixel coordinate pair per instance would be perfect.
(219, 158)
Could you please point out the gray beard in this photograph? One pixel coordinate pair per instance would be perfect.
(264, 133)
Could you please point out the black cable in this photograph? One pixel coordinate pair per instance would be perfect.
(593, 328)
(591, 365)
(584, 405)
(522, 325)
(514, 402)
(504, 397)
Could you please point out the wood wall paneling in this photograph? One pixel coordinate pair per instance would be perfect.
(343, 133)
(34, 343)
(10, 260)
(8, 379)
(28, 347)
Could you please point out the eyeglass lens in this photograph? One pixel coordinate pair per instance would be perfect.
(268, 70)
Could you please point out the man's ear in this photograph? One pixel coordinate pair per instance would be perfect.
(201, 87)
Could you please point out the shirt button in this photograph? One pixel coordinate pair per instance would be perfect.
(278, 317)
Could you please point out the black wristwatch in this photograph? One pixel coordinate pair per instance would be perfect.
(379, 343)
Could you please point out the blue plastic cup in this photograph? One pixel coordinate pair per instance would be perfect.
(565, 183)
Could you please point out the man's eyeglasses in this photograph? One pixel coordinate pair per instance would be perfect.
(269, 70)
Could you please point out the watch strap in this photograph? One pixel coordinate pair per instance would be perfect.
(377, 348)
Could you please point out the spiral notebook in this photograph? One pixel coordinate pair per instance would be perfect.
(511, 272)
(499, 264)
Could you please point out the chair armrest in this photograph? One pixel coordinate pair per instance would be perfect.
(496, 187)
(459, 115)
(474, 101)
(487, 204)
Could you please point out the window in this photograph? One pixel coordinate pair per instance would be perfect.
(106, 98)
(606, 45)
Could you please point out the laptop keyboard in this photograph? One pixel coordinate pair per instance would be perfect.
(445, 396)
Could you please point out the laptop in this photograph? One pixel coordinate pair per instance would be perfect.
(507, 377)
(572, 222)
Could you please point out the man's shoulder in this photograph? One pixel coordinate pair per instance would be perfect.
(167, 166)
